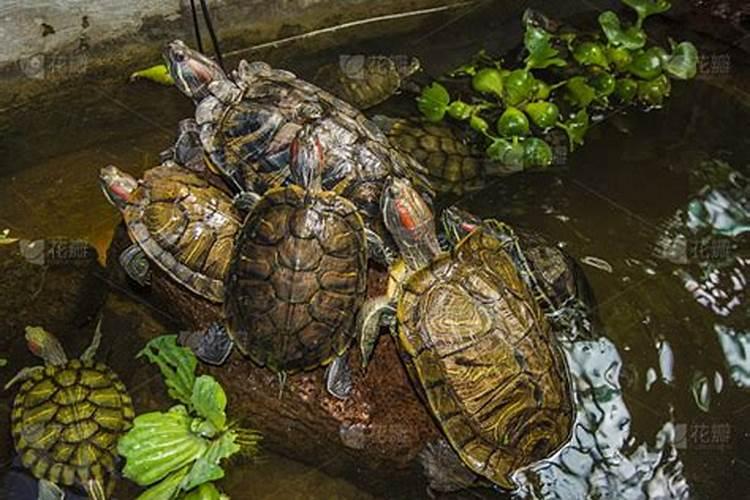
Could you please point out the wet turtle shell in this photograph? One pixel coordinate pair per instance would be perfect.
(186, 226)
(481, 350)
(366, 81)
(66, 421)
(297, 279)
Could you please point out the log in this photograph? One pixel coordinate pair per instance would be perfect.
(374, 439)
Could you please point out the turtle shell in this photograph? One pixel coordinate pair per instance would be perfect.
(186, 226)
(66, 421)
(363, 81)
(297, 279)
(452, 166)
(482, 352)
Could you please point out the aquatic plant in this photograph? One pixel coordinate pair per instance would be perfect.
(563, 78)
(5, 238)
(178, 453)
(158, 73)
(3, 362)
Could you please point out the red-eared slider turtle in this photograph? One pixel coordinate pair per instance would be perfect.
(248, 123)
(557, 281)
(298, 277)
(177, 220)
(67, 418)
(365, 81)
(479, 344)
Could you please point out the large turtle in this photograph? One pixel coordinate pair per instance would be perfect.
(248, 123)
(297, 277)
(177, 220)
(67, 418)
(557, 281)
(478, 344)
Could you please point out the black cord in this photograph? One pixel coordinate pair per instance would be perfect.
(214, 40)
(196, 26)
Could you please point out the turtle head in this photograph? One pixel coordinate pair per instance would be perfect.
(117, 185)
(43, 344)
(410, 221)
(191, 70)
(458, 223)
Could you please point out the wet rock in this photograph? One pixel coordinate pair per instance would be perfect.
(374, 438)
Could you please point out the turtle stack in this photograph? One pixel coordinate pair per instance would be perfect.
(277, 198)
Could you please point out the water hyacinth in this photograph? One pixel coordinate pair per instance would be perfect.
(615, 67)
(178, 453)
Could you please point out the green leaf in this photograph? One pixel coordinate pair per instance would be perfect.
(576, 128)
(206, 491)
(203, 471)
(536, 153)
(539, 46)
(479, 124)
(647, 64)
(512, 122)
(460, 110)
(210, 401)
(177, 365)
(590, 54)
(519, 86)
(433, 103)
(506, 152)
(159, 74)
(167, 489)
(3, 362)
(645, 8)
(630, 38)
(544, 114)
(580, 92)
(488, 81)
(159, 444)
(653, 92)
(626, 89)
(683, 63)
(619, 57)
(604, 84)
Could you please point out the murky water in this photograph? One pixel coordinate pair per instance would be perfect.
(663, 401)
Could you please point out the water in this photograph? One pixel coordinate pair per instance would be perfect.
(663, 402)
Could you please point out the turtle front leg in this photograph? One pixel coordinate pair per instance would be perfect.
(377, 249)
(49, 491)
(246, 201)
(339, 380)
(90, 351)
(24, 374)
(373, 314)
(212, 345)
(136, 264)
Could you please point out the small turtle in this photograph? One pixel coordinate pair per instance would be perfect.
(558, 282)
(365, 81)
(297, 279)
(177, 220)
(248, 123)
(477, 342)
(67, 418)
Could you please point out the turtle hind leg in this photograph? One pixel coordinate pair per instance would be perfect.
(49, 491)
(339, 380)
(212, 345)
(24, 374)
(373, 314)
(136, 265)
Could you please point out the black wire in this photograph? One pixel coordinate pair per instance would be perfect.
(196, 26)
(214, 40)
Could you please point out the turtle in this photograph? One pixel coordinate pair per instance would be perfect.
(558, 282)
(67, 417)
(177, 220)
(297, 277)
(364, 81)
(248, 122)
(476, 342)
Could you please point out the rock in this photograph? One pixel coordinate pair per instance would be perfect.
(374, 438)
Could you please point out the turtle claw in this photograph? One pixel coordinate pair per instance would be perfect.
(212, 346)
(338, 377)
(136, 265)
(246, 201)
